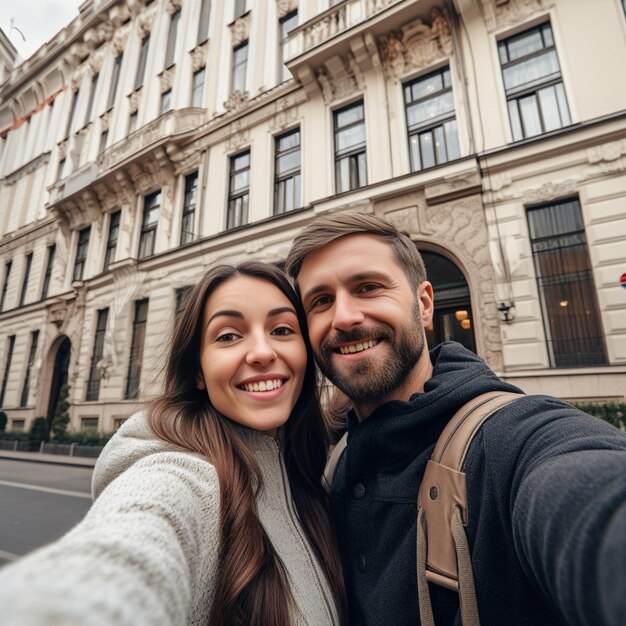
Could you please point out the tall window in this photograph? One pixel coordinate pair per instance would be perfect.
(239, 190)
(287, 172)
(285, 25)
(132, 122)
(92, 97)
(34, 337)
(197, 87)
(136, 348)
(47, 277)
(189, 207)
(141, 64)
(533, 84)
(28, 264)
(350, 153)
(151, 207)
(7, 367)
(566, 290)
(5, 283)
(104, 135)
(166, 101)
(170, 51)
(203, 22)
(114, 229)
(61, 170)
(93, 383)
(71, 119)
(240, 67)
(115, 79)
(241, 6)
(431, 122)
(81, 253)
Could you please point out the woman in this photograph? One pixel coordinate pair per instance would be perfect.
(173, 539)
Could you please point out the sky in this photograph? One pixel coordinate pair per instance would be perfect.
(39, 20)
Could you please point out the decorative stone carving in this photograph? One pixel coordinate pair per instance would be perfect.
(104, 121)
(417, 46)
(236, 101)
(133, 101)
(283, 7)
(198, 56)
(119, 13)
(144, 24)
(375, 6)
(285, 113)
(462, 182)
(549, 191)
(608, 157)
(77, 52)
(239, 135)
(171, 6)
(325, 28)
(240, 29)
(166, 78)
(94, 63)
(340, 78)
(513, 12)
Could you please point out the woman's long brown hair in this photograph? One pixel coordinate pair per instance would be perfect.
(252, 587)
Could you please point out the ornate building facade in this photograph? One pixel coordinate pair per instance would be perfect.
(151, 138)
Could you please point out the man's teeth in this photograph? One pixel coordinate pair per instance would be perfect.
(263, 385)
(358, 347)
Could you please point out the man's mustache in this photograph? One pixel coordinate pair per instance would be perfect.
(340, 337)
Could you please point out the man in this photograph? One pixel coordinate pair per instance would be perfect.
(546, 483)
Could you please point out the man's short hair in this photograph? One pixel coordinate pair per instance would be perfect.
(326, 229)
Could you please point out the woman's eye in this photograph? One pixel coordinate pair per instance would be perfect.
(226, 337)
(283, 331)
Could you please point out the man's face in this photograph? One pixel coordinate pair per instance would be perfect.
(365, 321)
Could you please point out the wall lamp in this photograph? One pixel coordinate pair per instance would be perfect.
(507, 311)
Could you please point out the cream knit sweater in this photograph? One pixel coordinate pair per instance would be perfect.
(146, 553)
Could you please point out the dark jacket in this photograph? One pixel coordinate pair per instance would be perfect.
(547, 507)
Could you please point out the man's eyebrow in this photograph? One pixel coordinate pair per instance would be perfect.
(353, 278)
(314, 290)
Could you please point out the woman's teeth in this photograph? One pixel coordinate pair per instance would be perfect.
(263, 385)
(358, 347)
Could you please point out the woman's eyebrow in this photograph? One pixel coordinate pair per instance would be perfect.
(280, 310)
(225, 313)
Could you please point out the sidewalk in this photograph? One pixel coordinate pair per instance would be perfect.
(57, 459)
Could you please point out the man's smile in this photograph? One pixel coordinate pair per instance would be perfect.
(360, 346)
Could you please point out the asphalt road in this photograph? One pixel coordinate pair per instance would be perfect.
(39, 503)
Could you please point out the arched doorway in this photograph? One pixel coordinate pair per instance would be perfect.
(453, 319)
(59, 377)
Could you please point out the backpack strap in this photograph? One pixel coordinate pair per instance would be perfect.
(333, 461)
(443, 555)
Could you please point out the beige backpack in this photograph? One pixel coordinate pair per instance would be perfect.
(443, 555)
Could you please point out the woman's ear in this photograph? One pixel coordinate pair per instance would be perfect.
(200, 384)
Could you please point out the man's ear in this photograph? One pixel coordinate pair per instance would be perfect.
(426, 299)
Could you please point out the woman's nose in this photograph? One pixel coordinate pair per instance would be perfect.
(261, 351)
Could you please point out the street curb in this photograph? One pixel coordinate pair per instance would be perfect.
(52, 459)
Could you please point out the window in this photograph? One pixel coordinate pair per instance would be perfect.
(104, 135)
(18, 425)
(7, 367)
(72, 115)
(132, 122)
(92, 97)
(34, 337)
(239, 189)
(285, 25)
(431, 122)
(93, 383)
(114, 229)
(5, 283)
(241, 6)
(117, 422)
(350, 160)
(141, 64)
(29, 262)
(240, 67)
(203, 22)
(180, 294)
(197, 88)
(170, 51)
(287, 172)
(136, 349)
(166, 101)
(189, 208)
(48, 273)
(61, 170)
(89, 423)
(565, 283)
(532, 81)
(115, 79)
(151, 207)
(81, 253)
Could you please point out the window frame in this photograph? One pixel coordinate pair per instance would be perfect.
(32, 353)
(353, 152)
(172, 37)
(92, 390)
(135, 358)
(115, 79)
(283, 36)
(198, 87)
(111, 244)
(26, 278)
(142, 62)
(149, 229)
(204, 22)
(281, 178)
(47, 276)
(8, 359)
(82, 250)
(190, 206)
(236, 84)
(241, 193)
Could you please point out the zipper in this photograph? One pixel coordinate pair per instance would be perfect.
(303, 539)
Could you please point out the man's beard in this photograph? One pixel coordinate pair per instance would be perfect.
(370, 380)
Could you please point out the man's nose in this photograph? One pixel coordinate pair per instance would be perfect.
(261, 351)
(346, 313)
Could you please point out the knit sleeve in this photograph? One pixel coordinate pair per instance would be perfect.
(146, 553)
(569, 516)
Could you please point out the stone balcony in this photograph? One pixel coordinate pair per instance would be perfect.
(348, 32)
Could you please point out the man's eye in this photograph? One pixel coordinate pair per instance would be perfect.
(321, 301)
(283, 331)
(368, 287)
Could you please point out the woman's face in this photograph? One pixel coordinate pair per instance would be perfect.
(253, 357)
